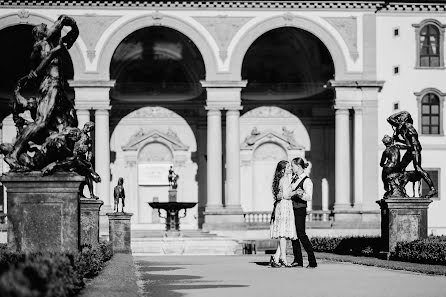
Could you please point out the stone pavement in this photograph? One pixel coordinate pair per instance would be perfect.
(249, 275)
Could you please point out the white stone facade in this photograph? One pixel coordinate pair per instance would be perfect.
(360, 37)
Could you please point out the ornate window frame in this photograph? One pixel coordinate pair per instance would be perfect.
(441, 27)
(441, 97)
(439, 188)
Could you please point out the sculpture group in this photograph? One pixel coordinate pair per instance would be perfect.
(51, 141)
(394, 173)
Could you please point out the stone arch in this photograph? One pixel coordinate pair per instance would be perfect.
(155, 151)
(106, 54)
(251, 35)
(31, 18)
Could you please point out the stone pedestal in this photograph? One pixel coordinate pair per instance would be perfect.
(119, 231)
(90, 221)
(402, 219)
(172, 195)
(43, 212)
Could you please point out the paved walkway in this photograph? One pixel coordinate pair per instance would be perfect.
(117, 279)
(232, 276)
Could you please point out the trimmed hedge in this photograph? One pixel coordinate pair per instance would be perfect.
(356, 246)
(428, 251)
(49, 274)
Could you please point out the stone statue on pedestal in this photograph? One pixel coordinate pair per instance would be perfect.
(394, 175)
(119, 193)
(173, 179)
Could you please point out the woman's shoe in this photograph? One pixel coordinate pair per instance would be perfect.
(273, 263)
(284, 263)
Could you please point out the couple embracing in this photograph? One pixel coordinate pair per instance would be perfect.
(292, 188)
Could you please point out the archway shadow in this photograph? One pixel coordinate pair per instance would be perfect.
(168, 285)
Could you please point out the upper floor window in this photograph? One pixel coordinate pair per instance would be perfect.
(430, 115)
(430, 44)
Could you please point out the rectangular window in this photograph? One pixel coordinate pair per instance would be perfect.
(434, 174)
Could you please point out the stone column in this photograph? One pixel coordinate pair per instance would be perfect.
(223, 95)
(120, 232)
(90, 221)
(342, 160)
(102, 155)
(83, 116)
(358, 156)
(214, 164)
(233, 159)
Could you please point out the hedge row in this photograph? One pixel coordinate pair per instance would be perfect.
(427, 251)
(356, 246)
(49, 274)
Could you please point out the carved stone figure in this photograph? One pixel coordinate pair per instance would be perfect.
(52, 112)
(394, 171)
(173, 178)
(119, 193)
(250, 139)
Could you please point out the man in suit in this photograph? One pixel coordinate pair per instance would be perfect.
(304, 189)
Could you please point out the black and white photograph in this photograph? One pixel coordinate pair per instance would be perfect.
(197, 148)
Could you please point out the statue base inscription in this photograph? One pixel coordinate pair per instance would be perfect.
(43, 212)
(402, 219)
(119, 231)
(90, 221)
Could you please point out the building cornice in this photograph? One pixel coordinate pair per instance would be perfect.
(409, 6)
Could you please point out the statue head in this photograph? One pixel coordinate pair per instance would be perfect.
(40, 31)
(88, 127)
(387, 140)
(120, 181)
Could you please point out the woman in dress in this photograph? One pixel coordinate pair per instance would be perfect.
(282, 218)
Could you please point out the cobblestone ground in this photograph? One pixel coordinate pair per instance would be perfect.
(231, 276)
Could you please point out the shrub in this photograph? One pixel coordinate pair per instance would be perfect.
(107, 250)
(39, 275)
(49, 274)
(358, 246)
(428, 251)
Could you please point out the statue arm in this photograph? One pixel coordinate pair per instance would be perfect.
(123, 192)
(56, 29)
(393, 119)
(383, 159)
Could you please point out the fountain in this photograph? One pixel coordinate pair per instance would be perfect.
(172, 207)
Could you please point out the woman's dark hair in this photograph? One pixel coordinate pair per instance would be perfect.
(280, 170)
(300, 161)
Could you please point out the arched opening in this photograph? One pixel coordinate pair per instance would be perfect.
(16, 63)
(157, 63)
(287, 63)
(289, 68)
(146, 143)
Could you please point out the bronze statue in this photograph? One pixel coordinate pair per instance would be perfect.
(390, 161)
(394, 175)
(119, 193)
(51, 111)
(173, 178)
(402, 124)
(83, 151)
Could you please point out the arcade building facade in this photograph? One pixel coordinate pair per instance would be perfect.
(223, 90)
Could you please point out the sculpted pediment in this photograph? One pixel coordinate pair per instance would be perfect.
(143, 137)
(256, 137)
